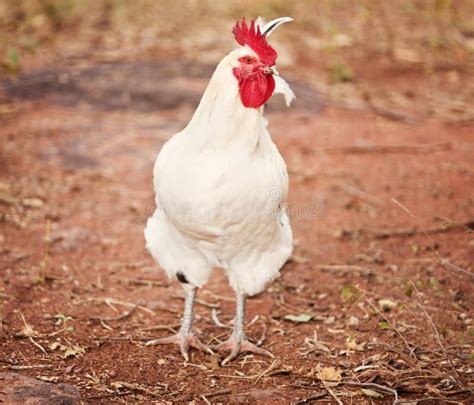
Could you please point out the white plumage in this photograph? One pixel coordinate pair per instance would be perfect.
(221, 187)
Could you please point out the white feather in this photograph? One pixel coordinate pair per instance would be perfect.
(282, 87)
(221, 187)
(269, 27)
(260, 22)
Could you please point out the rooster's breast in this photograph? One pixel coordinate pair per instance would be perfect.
(222, 202)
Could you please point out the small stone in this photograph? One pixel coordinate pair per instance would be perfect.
(17, 389)
(32, 202)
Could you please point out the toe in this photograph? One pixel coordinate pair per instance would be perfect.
(184, 349)
(250, 347)
(233, 354)
(163, 341)
(238, 346)
(227, 345)
(184, 341)
(196, 343)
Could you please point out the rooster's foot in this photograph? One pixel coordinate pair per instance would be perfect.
(184, 341)
(237, 346)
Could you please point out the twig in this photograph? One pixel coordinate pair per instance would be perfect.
(30, 81)
(463, 391)
(362, 195)
(467, 225)
(312, 397)
(29, 333)
(298, 259)
(218, 297)
(363, 149)
(120, 338)
(430, 320)
(111, 301)
(393, 349)
(279, 372)
(113, 394)
(143, 281)
(199, 366)
(375, 386)
(163, 327)
(140, 388)
(449, 266)
(344, 268)
(43, 267)
(436, 333)
(200, 302)
(332, 393)
(410, 350)
(30, 367)
(214, 394)
(256, 377)
(105, 326)
(262, 336)
(216, 319)
(264, 372)
(38, 345)
(439, 400)
(116, 318)
(391, 115)
(254, 319)
(446, 227)
(302, 174)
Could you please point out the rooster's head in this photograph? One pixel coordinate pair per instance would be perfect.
(254, 68)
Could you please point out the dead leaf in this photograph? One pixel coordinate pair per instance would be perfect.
(7, 199)
(353, 321)
(336, 331)
(408, 291)
(329, 319)
(301, 318)
(27, 330)
(350, 293)
(4, 186)
(383, 325)
(52, 379)
(329, 374)
(316, 345)
(352, 344)
(55, 345)
(405, 55)
(371, 393)
(386, 305)
(74, 351)
(117, 385)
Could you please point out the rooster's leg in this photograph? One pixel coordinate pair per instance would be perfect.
(186, 337)
(238, 342)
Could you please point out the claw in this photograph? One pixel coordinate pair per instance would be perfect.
(184, 341)
(238, 346)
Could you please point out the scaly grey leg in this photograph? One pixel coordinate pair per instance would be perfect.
(185, 338)
(238, 342)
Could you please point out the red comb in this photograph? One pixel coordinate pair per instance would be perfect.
(253, 38)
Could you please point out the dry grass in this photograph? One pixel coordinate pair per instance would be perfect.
(328, 45)
(426, 32)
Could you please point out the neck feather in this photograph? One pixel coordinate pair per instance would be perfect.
(221, 119)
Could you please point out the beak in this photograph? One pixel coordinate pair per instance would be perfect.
(270, 70)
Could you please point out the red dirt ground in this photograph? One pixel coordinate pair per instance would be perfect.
(75, 192)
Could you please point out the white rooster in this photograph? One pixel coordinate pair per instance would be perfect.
(221, 187)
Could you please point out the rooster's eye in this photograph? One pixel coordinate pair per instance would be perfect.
(248, 60)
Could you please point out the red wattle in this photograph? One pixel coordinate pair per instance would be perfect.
(255, 90)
